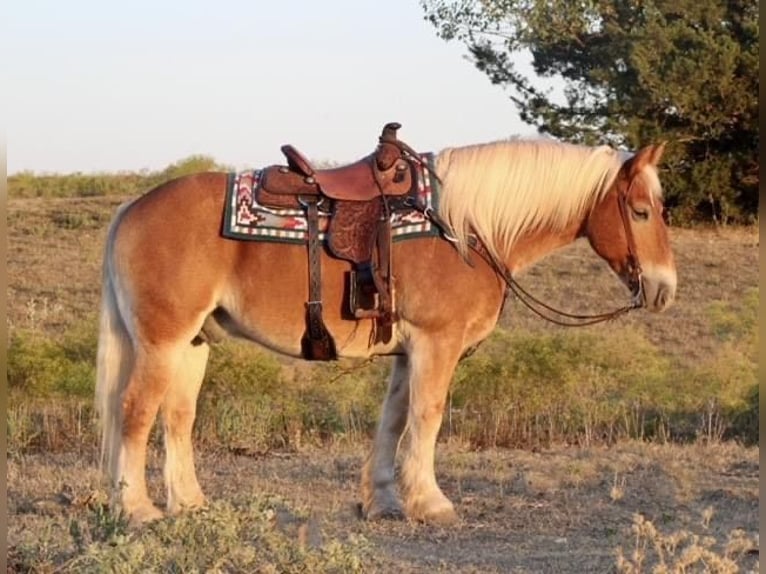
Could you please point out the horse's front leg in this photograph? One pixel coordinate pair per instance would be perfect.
(433, 359)
(379, 498)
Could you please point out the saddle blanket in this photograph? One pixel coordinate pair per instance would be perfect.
(246, 219)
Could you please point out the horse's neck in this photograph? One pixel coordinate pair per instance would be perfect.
(532, 246)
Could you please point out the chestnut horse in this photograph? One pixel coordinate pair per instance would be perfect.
(167, 269)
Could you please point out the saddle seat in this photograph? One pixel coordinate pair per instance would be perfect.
(383, 172)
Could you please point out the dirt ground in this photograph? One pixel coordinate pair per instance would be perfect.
(559, 510)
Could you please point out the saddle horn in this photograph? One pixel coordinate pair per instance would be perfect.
(388, 149)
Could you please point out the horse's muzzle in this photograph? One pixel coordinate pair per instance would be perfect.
(658, 289)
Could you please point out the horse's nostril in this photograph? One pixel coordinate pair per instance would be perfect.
(664, 297)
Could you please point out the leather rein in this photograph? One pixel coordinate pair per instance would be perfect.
(534, 304)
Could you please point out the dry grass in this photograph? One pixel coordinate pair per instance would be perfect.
(53, 267)
(713, 266)
(684, 551)
(54, 260)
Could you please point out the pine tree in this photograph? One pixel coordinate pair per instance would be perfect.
(634, 72)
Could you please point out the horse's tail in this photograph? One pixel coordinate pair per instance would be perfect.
(115, 356)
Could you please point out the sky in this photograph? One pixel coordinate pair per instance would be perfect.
(104, 86)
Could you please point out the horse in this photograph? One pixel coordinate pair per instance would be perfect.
(167, 270)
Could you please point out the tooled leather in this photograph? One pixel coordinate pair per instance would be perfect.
(351, 234)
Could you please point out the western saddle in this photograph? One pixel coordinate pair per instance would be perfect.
(359, 199)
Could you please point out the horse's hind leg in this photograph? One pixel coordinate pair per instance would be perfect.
(153, 371)
(379, 499)
(178, 412)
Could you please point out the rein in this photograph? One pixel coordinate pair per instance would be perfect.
(533, 303)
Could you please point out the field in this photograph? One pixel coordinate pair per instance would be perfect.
(587, 496)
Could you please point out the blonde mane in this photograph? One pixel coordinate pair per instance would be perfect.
(499, 190)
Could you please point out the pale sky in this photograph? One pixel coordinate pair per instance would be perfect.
(107, 86)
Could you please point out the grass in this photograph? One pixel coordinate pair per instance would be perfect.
(246, 535)
(683, 551)
(519, 389)
(77, 185)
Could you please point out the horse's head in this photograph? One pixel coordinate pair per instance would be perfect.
(627, 229)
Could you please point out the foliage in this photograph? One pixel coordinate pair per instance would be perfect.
(28, 184)
(249, 534)
(633, 72)
(250, 401)
(518, 389)
(682, 551)
(729, 379)
(582, 386)
(589, 387)
(44, 368)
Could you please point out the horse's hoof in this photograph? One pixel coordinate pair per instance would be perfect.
(443, 517)
(194, 504)
(385, 513)
(145, 514)
(439, 512)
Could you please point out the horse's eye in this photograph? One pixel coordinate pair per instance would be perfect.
(640, 213)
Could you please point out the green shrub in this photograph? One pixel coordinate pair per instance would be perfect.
(41, 367)
(343, 399)
(561, 387)
(250, 400)
(727, 383)
(247, 534)
(28, 184)
(36, 424)
(518, 389)
(524, 389)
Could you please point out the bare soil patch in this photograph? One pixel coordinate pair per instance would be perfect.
(555, 510)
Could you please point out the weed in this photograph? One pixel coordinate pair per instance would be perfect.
(243, 535)
(519, 389)
(99, 525)
(38, 311)
(681, 551)
(617, 491)
(40, 367)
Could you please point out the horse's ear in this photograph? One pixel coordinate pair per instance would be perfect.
(656, 153)
(649, 155)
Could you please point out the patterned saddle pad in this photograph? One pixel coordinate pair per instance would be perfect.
(246, 219)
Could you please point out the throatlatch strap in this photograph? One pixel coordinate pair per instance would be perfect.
(317, 344)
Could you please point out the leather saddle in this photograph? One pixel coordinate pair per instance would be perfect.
(385, 172)
(360, 198)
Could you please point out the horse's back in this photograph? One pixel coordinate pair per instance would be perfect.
(169, 255)
(182, 269)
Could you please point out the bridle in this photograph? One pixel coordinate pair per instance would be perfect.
(634, 265)
(541, 308)
(573, 319)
